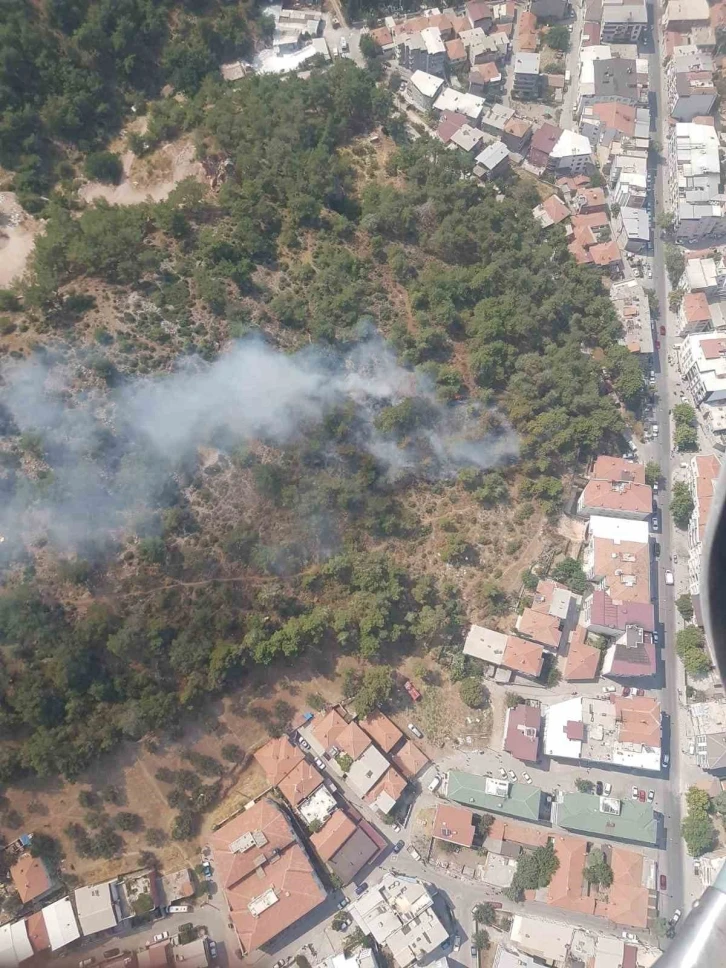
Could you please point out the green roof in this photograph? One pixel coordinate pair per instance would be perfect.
(581, 811)
(522, 800)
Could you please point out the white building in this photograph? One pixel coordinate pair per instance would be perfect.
(689, 83)
(704, 275)
(623, 21)
(98, 909)
(694, 180)
(703, 474)
(572, 153)
(467, 104)
(633, 229)
(633, 308)
(702, 361)
(60, 923)
(423, 50)
(423, 89)
(15, 946)
(399, 913)
(526, 75)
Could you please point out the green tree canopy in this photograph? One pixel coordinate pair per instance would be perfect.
(681, 505)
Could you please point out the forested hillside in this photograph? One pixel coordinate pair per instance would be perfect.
(251, 552)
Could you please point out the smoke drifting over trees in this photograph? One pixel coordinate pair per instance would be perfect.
(92, 460)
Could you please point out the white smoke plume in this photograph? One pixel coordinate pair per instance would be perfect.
(112, 453)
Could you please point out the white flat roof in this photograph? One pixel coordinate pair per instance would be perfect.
(451, 100)
(493, 154)
(428, 84)
(618, 529)
(432, 39)
(571, 144)
(542, 938)
(556, 717)
(485, 644)
(318, 806)
(95, 910)
(526, 62)
(701, 274)
(14, 944)
(367, 770)
(60, 923)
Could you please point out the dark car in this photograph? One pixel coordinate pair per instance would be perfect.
(398, 847)
(361, 889)
(598, 788)
(475, 952)
(662, 331)
(663, 882)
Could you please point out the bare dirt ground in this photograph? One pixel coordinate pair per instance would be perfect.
(17, 238)
(152, 178)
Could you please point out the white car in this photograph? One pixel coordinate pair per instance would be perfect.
(344, 44)
(161, 937)
(512, 775)
(676, 916)
(502, 772)
(654, 521)
(415, 730)
(669, 579)
(635, 793)
(320, 763)
(527, 777)
(651, 796)
(608, 789)
(609, 688)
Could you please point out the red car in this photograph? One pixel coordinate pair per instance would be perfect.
(662, 331)
(412, 690)
(626, 690)
(663, 882)
(641, 796)
(657, 344)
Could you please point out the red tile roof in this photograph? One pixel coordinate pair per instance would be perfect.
(382, 36)
(582, 660)
(410, 760)
(327, 730)
(608, 468)
(696, 308)
(522, 656)
(524, 724)
(300, 782)
(450, 123)
(30, 877)
(617, 615)
(278, 757)
(353, 740)
(629, 903)
(382, 730)
(328, 841)
(541, 627)
(37, 932)
(619, 117)
(455, 50)
(565, 888)
(391, 783)
(618, 496)
(275, 862)
(606, 253)
(454, 824)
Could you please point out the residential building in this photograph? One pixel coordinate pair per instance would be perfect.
(15, 946)
(540, 147)
(548, 10)
(484, 79)
(632, 227)
(633, 309)
(61, 926)
(467, 139)
(694, 179)
(704, 275)
(98, 907)
(481, 48)
(616, 488)
(623, 22)
(382, 730)
(682, 15)
(455, 825)
(516, 134)
(367, 770)
(505, 958)
(467, 104)
(703, 472)
(384, 38)
(630, 189)
(631, 655)
(399, 913)
(614, 79)
(522, 801)
(510, 651)
(385, 794)
(512, 839)
(548, 941)
(423, 89)
(552, 211)
(300, 783)
(553, 598)
(702, 361)
(265, 872)
(606, 817)
(617, 558)
(193, 954)
(346, 847)
(410, 760)
(422, 51)
(694, 314)
(527, 38)
(541, 627)
(449, 124)
(493, 160)
(583, 660)
(522, 728)
(32, 878)
(708, 720)
(479, 15)
(571, 153)
(624, 731)
(526, 75)
(689, 83)
(159, 956)
(456, 54)
(602, 616)
(635, 876)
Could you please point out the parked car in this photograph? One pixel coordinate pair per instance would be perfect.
(303, 743)
(635, 793)
(212, 948)
(435, 783)
(207, 869)
(112, 952)
(474, 952)
(457, 942)
(161, 937)
(398, 847)
(651, 796)
(676, 916)
(608, 789)
(641, 796)
(663, 882)
(669, 580)
(662, 331)
(666, 759)
(654, 522)
(599, 788)
(180, 909)
(527, 777)
(413, 852)
(502, 773)
(361, 889)
(412, 690)
(343, 903)
(86, 962)
(640, 692)
(609, 688)
(320, 763)
(415, 730)
(344, 44)
(626, 690)
(512, 775)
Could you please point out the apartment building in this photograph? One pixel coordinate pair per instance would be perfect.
(689, 84)
(694, 314)
(623, 22)
(694, 181)
(703, 471)
(424, 50)
(423, 89)
(702, 361)
(571, 153)
(616, 558)
(526, 75)
(617, 489)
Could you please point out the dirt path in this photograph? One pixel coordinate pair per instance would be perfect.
(17, 238)
(153, 177)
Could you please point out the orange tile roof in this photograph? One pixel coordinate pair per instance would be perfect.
(556, 209)
(618, 496)
(383, 731)
(541, 627)
(327, 730)
(544, 594)
(522, 656)
(707, 471)
(410, 759)
(696, 308)
(628, 901)
(300, 782)
(30, 876)
(278, 757)
(582, 660)
(487, 72)
(580, 254)
(280, 865)
(640, 719)
(616, 562)
(593, 220)
(606, 253)
(620, 117)
(584, 235)
(527, 31)
(37, 932)
(594, 198)
(565, 888)
(382, 36)
(454, 824)
(455, 50)
(517, 833)
(608, 468)
(337, 830)
(353, 740)
(391, 783)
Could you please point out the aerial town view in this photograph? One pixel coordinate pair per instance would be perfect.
(362, 407)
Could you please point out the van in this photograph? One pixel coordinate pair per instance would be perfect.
(435, 783)
(415, 730)
(567, 77)
(180, 909)
(669, 578)
(344, 44)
